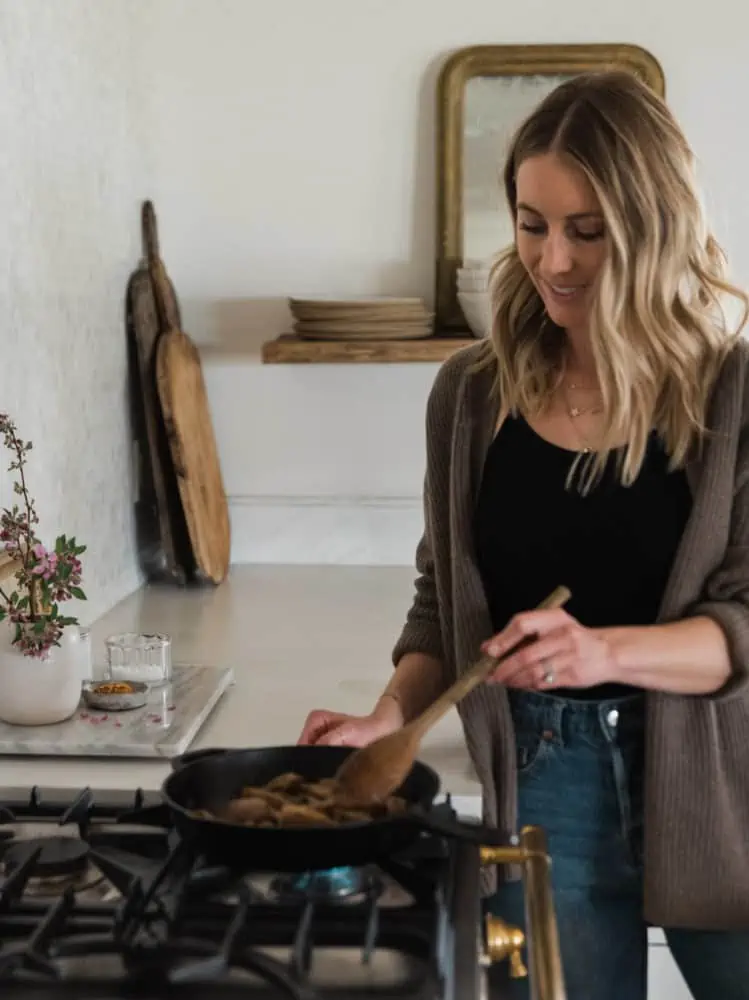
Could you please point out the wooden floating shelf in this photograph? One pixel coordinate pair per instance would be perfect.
(289, 349)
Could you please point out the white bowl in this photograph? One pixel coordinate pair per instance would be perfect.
(468, 284)
(474, 273)
(477, 310)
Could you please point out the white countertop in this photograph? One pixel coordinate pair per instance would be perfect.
(297, 638)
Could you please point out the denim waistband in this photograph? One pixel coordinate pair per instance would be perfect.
(565, 720)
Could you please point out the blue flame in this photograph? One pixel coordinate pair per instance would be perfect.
(344, 881)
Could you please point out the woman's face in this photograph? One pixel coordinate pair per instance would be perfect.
(560, 236)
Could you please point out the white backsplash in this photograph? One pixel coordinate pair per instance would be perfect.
(72, 169)
(369, 531)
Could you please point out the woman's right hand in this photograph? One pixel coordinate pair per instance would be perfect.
(336, 729)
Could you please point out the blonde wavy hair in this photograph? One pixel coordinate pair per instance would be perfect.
(658, 328)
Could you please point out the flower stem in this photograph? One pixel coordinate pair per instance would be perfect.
(27, 502)
(34, 602)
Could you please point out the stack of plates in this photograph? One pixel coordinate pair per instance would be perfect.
(361, 319)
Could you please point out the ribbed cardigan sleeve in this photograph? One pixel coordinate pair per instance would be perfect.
(422, 632)
(725, 596)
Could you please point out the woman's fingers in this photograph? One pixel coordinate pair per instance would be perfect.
(544, 676)
(527, 625)
(555, 644)
(335, 729)
(317, 724)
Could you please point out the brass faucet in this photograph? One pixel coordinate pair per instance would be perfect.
(504, 941)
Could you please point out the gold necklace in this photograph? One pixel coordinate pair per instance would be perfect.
(572, 413)
(579, 411)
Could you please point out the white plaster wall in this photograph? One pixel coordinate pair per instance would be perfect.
(296, 156)
(72, 173)
(289, 150)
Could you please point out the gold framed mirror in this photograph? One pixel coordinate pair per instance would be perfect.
(483, 94)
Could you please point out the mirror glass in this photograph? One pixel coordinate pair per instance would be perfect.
(493, 108)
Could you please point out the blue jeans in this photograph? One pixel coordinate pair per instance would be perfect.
(580, 778)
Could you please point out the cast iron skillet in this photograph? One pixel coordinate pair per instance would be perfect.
(208, 779)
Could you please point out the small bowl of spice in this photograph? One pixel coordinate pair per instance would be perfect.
(115, 696)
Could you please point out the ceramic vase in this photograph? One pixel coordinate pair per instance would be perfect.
(40, 691)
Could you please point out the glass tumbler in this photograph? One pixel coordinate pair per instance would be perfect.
(133, 656)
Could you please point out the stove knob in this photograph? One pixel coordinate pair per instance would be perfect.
(504, 941)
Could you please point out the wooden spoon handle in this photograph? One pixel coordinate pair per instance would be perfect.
(480, 670)
(149, 230)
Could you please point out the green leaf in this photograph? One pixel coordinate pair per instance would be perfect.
(3, 615)
(39, 627)
(77, 592)
(23, 603)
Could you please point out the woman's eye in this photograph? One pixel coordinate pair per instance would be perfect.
(539, 229)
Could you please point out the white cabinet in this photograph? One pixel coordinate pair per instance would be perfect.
(665, 982)
(467, 806)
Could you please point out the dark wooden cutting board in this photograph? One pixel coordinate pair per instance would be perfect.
(163, 541)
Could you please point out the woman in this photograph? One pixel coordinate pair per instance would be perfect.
(601, 441)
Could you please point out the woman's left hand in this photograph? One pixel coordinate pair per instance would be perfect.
(562, 653)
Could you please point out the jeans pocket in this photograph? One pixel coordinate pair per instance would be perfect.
(532, 749)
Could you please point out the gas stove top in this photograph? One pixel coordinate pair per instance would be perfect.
(100, 898)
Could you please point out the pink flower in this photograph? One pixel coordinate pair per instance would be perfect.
(46, 577)
(46, 564)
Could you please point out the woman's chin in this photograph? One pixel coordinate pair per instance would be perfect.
(565, 316)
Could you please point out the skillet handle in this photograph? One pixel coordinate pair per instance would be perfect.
(471, 833)
(182, 760)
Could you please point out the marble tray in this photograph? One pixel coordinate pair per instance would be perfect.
(164, 727)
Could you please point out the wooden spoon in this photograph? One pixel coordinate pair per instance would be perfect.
(375, 771)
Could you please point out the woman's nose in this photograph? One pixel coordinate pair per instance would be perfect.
(557, 255)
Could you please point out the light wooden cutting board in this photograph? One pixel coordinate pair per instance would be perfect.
(187, 417)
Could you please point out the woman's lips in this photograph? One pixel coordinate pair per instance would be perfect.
(564, 294)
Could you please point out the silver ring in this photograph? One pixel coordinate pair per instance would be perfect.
(549, 677)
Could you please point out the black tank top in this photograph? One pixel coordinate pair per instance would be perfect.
(613, 548)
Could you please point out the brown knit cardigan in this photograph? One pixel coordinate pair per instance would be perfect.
(697, 747)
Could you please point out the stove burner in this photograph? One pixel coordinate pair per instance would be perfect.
(334, 884)
(59, 856)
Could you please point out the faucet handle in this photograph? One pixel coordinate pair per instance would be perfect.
(505, 941)
(518, 969)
